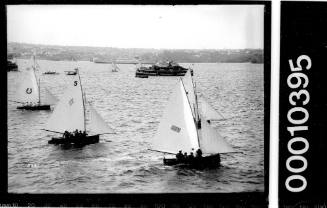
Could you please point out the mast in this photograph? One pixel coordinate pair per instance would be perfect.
(34, 62)
(39, 91)
(196, 100)
(194, 120)
(82, 100)
(39, 83)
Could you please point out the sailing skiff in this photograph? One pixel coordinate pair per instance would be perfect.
(74, 121)
(72, 72)
(28, 93)
(114, 68)
(185, 126)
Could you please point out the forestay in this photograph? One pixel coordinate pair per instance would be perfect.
(190, 92)
(69, 113)
(28, 90)
(35, 65)
(208, 112)
(177, 130)
(211, 142)
(96, 124)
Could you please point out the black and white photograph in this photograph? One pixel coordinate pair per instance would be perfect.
(137, 99)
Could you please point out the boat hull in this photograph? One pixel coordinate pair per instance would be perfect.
(71, 73)
(76, 141)
(11, 66)
(141, 76)
(145, 73)
(50, 73)
(160, 71)
(212, 161)
(15, 69)
(37, 107)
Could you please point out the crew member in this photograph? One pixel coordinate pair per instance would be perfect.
(199, 153)
(179, 156)
(66, 134)
(190, 158)
(76, 133)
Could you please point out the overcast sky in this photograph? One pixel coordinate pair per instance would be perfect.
(129, 26)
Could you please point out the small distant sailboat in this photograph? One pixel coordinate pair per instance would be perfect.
(49, 72)
(184, 127)
(72, 72)
(69, 119)
(29, 95)
(114, 68)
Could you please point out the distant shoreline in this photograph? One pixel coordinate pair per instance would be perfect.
(132, 55)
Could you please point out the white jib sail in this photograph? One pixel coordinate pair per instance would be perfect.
(114, 67)
(97, 125)
(211, 142)
(28, 90)
(208, 112)
(49, 98)
(189, 88)
(68, 115)
(176, 130)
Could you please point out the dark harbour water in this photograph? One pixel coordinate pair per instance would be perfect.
(132, 106)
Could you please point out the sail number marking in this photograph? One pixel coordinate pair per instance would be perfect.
(75, 83)
(175, 128)
(297, 117)
(28, 90)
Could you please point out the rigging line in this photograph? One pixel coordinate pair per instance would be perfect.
(194, 116)
(80, 83)
(105, 133)
(196, 109)
(161, 151)
(39, 91)
(52, 131)
(196, 100)
(38, 84)
(194, 121)
(16, 101)
(234, 152)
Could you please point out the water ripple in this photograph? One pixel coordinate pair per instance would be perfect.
(121, 162)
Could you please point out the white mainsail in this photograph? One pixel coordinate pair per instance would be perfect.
(208, 112)
(96, 124)
(211, 142)
(28, 91)
(177, 130)
(189, 89)
(69, 113)
(49, 98)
